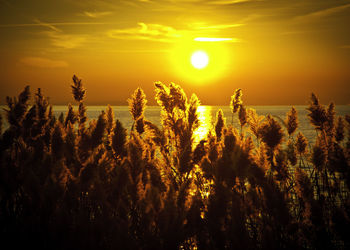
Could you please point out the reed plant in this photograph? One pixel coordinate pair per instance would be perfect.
(70, 183)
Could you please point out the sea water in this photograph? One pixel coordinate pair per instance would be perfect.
(207, 116)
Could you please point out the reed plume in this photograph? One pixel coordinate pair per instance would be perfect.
(71, 116)
(292, 121)
(254, 120)
(301, 143)
(291, 153)
(242, 115)
(110, 119)
(236, 100)
(137, 104)
(219, 124)
(339, 130)
(319, 154)
(98, 132)
(192, 114)
(118, 139)
(317, 113)
(77, 89)
(17, 107)
(330, 119)
(271, 132)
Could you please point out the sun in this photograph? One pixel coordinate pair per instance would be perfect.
(199, 59)
(200, 62)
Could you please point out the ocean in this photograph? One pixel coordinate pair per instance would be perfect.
(207, 116)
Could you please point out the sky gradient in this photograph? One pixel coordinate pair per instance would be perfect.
(276, 51)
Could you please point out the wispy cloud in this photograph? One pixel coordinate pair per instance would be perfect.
(163, 33)
(215, 39)
(322, 13)
(60, 39)
(95, 14)
(229, 2)
(66, 41)
(152, 32)
(40, 62)
(347, 46)
(48, 25)
(52, 26)
(200, 26)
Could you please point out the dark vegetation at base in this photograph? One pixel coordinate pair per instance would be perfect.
(66, 184)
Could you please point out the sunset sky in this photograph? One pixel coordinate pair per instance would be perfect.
(276, 51)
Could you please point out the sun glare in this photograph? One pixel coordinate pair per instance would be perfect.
(199, 59)
(200, 62)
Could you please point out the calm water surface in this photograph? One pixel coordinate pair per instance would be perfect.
(207, 116)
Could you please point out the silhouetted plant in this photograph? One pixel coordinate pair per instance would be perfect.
(339, 130)
(317, 113)
(77, 89)
(292, 121)
(301, 143)
(68, 184)
(236, 102)
(219, 124)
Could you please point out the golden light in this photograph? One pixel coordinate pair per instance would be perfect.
(205, 119)
(200, 62)
(199, 59)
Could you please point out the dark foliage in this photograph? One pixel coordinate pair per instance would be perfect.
(66, 184)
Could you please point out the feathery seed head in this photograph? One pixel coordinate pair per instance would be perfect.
(219, 124)
(192, 114)
(242, 115)
(317, 113)
(110, 118)
(118, 139)
(236, 100)
(339, 130)
(137, 103)
(319, 154)
(301, 143)
(99, 131)
(178, 96)
(254, 121)
(71, 116)
(292, 121)
(78, 90)
(291, 153)
(271, 132)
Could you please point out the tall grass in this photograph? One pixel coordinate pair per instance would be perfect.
(66, 184)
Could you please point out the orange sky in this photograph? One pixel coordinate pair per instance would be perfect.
(277, 51)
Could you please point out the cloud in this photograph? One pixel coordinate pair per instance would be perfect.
(60, 39)
(345, 46)
(96, 14)
(66, 41)
(163, 33)
(322, 13)
(229, 2)
(52, 26)
(215, 39)
(40, 62)
(216, 27)
(48, 25)
(151, 32)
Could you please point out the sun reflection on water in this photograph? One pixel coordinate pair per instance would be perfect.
(205, 119)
